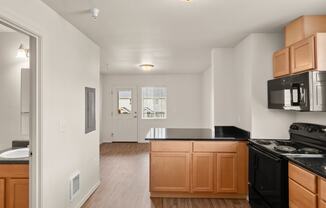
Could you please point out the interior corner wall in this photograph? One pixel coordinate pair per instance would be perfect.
(70, 62)
(207, 98)
(266, 123)
(240, 85)
(224, 98)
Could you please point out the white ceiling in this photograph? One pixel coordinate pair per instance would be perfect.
(174, 35)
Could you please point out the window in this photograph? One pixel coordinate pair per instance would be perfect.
(124, 101)
(154, 102)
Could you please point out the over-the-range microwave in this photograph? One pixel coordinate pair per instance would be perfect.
(301, 92)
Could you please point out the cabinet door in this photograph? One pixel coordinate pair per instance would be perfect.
(322, 204)
(170, 172)
(299, 197)
(303, 55)
(2, 193)
(281, 62)
(227, 173)
(17, 193)
(203, 172)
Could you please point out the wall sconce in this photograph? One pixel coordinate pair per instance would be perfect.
(22, 52)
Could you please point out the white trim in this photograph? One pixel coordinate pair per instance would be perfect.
(86, 197)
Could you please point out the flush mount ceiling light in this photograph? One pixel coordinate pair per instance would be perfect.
(22, 52)
(146, 67)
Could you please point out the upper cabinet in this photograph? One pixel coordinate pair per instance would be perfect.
(304, 27)
(305, 47)
(281, 62)
(303, 55)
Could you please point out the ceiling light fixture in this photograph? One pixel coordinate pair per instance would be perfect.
(146, 67)
(22, 52)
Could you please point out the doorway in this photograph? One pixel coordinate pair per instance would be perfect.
(124, 115)
(23, 190)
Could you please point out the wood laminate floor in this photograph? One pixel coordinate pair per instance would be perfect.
(124, 182)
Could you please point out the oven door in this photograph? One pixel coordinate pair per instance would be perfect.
(267, 180)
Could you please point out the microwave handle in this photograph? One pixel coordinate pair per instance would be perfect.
(302, 94)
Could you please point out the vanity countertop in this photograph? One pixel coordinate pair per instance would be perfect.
(11, 160)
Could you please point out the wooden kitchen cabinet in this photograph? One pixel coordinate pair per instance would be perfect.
(281, 62)
(17, 193)
(227, 173)
(199, 169)
(170, 172)
(300, 197)
(304, 27)
(303, 55)
(2, 193)
(203, 172)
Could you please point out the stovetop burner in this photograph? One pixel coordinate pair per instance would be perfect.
(285, 149)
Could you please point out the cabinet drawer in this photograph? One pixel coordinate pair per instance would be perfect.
(300, 197)
(171, 146)
(322, 189)
(215, 146)
(303, 177)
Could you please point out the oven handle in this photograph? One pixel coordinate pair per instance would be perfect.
(266, 154)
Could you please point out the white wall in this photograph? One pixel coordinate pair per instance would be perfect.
(311, 117)
(207, 98)
(70, 61)
(241, 75)
(266, 123)
(184, 101)
(224, 87)
(10, 87)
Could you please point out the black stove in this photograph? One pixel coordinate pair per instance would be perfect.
(268, 163)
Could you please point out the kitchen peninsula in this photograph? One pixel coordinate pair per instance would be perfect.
(198, 163)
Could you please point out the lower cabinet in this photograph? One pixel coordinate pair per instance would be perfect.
(14, 186)
(170, 172)
(227, 179)
(2, 193)
(203, 172)
(17, 193)
(213, 169)
(300, 197)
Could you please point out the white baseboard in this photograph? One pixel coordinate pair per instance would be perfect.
(91, 191)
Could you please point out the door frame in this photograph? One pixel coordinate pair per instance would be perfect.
(113, 89)
(35, 165)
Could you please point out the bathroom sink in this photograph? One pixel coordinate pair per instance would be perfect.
(15, 153)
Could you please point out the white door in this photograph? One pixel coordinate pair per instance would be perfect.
(124, 115)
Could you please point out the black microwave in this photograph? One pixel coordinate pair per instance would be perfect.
(301, 92)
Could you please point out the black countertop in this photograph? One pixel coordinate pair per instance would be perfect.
(189, 134)
(13, 161)
(315, 165)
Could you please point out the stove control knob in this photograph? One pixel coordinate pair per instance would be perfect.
(311, 129)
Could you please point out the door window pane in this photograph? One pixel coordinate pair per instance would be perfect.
(154, 102)
(124, 101)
